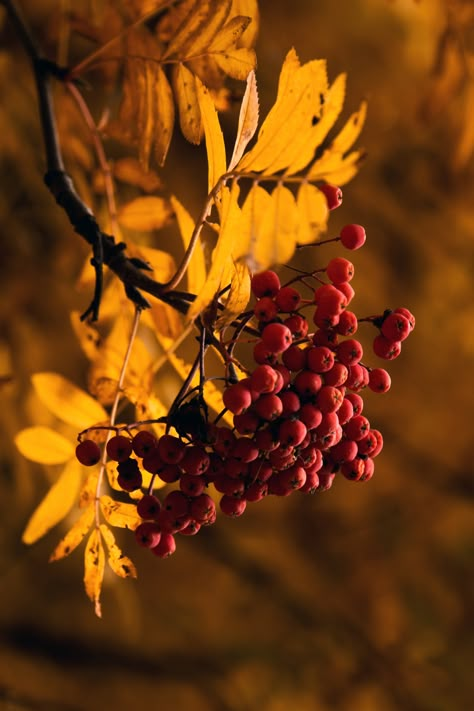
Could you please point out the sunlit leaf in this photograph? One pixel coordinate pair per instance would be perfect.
(237, 63)
(120, 564)
(43, 445)
(67, 401)
(161, 262)
(56, 504)
(217, 13)
(197, 22)
(230, 34)
(88, 490)
(277, 239)
(248, 120)
(119, 514)
(94, 566)
(145, 213)
(229, 232)
(238, 295)
(312, 213)
(247, 8)
(86, 334)
(75, 535)
(215, 147)
(184, 84)
(196, 272)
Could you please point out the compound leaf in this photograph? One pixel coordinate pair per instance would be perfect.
(75, 535)
(119, 514)
(120, 564)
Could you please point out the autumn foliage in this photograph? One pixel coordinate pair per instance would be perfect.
(270, 373)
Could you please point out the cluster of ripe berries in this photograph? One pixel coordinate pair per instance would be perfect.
(298, 417)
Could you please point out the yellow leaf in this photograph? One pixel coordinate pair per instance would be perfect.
(214, 137)
(56, 504)
(184, 84)
(75, 535)
(330, 106)
(89, 488)
(94, 566)
(334, 158)
(66, 401)
(248, 120)
(119, 514)
(146, 112)
(120, 564)
(43, 445)
(277, 239)
(218, 12)
(192, 24)
(196, 272)
(145, 213)
(230, 34)
(128, 170)
(229, 232)
(312, 213)
(238, 295)
(237, 63)
(247, 8)
(339, 169)
(161, 262)
(87, 335)
(163, 130)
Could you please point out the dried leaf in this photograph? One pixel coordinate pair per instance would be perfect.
(119, 514)
(199, 22)
(145, 213)
(43, 445)
(94, 566)
(215, 146)
(89, 488)
(218, 12)
(56, 504)
(67, 401)
(120, 564)
(247, 8)
(184, 85)
(230, 229)
(75, 535)
(196, 272)
(248, 120)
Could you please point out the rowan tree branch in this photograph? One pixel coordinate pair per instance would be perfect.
(105, 250)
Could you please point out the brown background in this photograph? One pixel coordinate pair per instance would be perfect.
(357, 599)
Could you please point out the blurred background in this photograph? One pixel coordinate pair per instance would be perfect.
(356, 599)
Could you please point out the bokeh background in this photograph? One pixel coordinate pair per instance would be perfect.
(358, 599)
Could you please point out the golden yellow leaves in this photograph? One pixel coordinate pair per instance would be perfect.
(201, 43)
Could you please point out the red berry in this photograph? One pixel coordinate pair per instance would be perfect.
(195, 461)
(263, 379)
(232, 507)
(192, 485)
(119, 448)
(148, 534)
(266, 440)
(353, 236)
(148, 507)
(356, 401)
(165, 547)
(330, 299)
(294, 358)
(339, 270)
(277, 337)
(202, 508)
(268, 407)
(395, 327)
(333, 195)
(265, 309)
(310, 415)
(177, 503)
(262, 354)
(383, 348)
(319, 359)
(291, 403)
(349, 352)
(344, 451)
(347, 290)
(265, 284)
(307, 383)
(246, 423)
(297, 324)
(347, 323)
(171, 449)
(143, 442)
(404, 312)
(191, 529)
(288, 299)
(379, 380)
(88, 452)
(129, 475)
(326, 479)
(292, 432)
(346, 411)
(237, 398)
(357, 427)
(353, 469)
(256, 491)
(369, 468)
(357, 377)
(245, 450)
(337, 375)
(329, 399)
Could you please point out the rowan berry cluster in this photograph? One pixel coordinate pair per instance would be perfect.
(298, 418)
